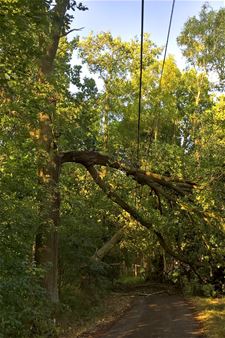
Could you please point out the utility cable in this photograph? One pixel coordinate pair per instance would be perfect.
(141, 70)
(140, 81)
(163, 64)
(167, 42)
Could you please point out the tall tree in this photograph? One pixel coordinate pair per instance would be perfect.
(46, 251)
(203, 42)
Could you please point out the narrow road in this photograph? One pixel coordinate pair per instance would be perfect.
(157, 316)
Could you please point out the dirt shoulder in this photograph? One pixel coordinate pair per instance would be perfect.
(116, 307)
(113, 307)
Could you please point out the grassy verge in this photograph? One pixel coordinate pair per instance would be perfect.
(211, 313)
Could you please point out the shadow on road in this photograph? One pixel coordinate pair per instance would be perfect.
(157, 316)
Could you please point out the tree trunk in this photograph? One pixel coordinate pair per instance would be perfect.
(46, 250)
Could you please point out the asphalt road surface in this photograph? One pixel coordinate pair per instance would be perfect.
(157, 316)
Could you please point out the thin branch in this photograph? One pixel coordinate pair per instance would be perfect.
(70, 31)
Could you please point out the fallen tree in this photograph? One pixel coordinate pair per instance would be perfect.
(168, 187)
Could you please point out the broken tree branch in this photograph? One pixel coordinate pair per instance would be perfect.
(107, 247)
(138, 217)
(155, 181)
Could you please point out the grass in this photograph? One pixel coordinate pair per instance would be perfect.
(211, 313)
(130, 280)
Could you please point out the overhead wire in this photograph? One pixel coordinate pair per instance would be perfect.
(140, 80)
(167, 42)
(140, 91)
(163, 64)
(141, 71)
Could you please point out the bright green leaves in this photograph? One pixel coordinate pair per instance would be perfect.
(116, 62)
(203, 41)
(22, 22)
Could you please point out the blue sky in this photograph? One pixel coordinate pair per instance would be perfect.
(122, 18)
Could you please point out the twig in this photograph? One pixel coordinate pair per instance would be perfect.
(152, 294)
(71, 30)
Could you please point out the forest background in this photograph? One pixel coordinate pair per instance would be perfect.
(78, 207)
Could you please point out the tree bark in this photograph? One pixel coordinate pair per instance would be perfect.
(46, 250)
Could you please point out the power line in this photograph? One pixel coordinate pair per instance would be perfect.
(167, 42)
(141, 68)
(163, 64)
(140, 81)
(162, 69)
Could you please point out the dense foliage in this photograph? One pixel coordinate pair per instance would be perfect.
(168, 220)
